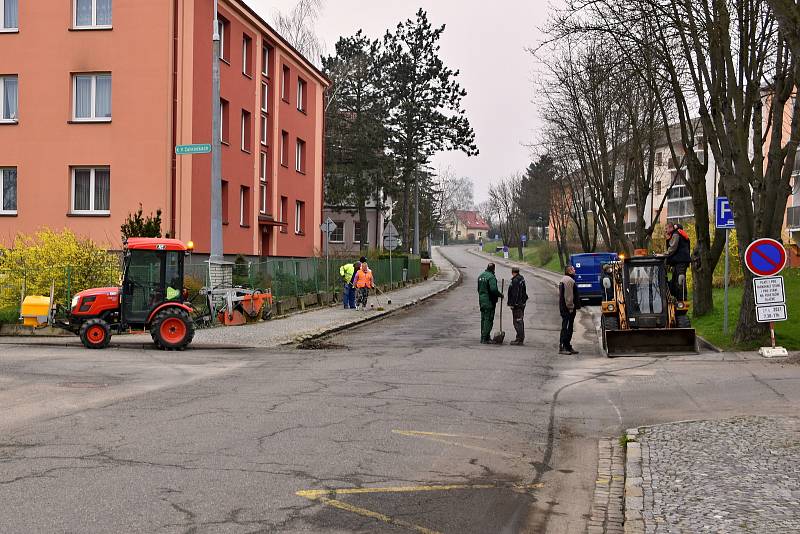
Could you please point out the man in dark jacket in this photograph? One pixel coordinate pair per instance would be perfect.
(679, 255)
(569, 303)
(517, 297)
(487, 300)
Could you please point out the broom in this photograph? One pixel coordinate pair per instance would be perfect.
(500, 336)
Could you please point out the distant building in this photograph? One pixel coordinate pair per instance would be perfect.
(346, 239)
(95, 95)
(468, 226)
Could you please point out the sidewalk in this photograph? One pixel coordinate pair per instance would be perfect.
(292, 328)
(734, 475)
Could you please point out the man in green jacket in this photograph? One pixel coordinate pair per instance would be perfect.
(487, 299)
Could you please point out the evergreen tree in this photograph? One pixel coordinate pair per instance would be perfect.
(137, 225)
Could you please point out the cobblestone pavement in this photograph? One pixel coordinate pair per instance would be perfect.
(607, 504)
(729, 476)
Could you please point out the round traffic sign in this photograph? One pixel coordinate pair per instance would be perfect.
(765, 257)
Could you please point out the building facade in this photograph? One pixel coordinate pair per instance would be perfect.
(88, 127)
(468, 225)
(346, 239)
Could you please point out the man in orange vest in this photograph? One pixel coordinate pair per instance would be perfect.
(364, 282)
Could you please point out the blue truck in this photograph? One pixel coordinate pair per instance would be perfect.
(588, 271)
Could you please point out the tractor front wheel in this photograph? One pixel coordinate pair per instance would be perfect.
(95, 334)
(683, 321)
(172, 329)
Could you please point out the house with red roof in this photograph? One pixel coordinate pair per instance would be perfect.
(468, 226)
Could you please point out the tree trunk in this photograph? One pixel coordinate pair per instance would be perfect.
(362, 217)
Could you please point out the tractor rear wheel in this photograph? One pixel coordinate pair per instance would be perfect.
(683, 321)
(95, 334)
(172, 329)
(608, 322)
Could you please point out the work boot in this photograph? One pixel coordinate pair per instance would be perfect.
(516, 342)
(562, 350)
(573, 351)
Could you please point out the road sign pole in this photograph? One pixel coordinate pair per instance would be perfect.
(727, 281)
(772, 334)
(391, 281)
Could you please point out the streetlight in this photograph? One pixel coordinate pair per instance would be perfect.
(216, 249)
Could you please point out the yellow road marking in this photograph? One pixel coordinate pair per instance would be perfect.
(431, 436)
(375, 515)
(421, 433)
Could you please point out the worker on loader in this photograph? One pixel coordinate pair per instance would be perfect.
(364, 282)
(347, 272)
(678, 256)
(487, 300)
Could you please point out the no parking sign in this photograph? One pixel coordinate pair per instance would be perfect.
(765, 257)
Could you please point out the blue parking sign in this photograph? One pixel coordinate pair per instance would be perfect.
(724, 214)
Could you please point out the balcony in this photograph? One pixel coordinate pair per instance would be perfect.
(793, 218)
(680, 209)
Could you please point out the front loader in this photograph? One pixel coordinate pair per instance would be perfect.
(640, 313)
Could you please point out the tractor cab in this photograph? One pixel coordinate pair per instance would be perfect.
(152, 276)
(645, 283)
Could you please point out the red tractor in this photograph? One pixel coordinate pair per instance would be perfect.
(151, 298)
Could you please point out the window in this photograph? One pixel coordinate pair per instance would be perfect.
(337, 236)
(659, 159)
(8, 98)
(91, 190)
(285, 83)
(285, 148)
(299, 214)
(223, 27)
(92, 13)
(357, 232)
(263, 167)
(8, 15)
(246, 131)
(301, 95)
(247, 56)
(300, 156)
(91, 97)
(224, 123)
(8, 191)
(264, 130)
(284, 209)
(265, 60)
(679, 200)
(262, 191)
(224, 196)
(264, 97)
(657, 187)
(244, 206)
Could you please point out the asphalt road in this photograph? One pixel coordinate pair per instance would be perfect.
(404, 425)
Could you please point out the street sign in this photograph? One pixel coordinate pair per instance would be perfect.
(771, 314)
(390, 231)
(505, 252)
(769, 290)
(523, 238)
(328, 226)
(765, 257)
(724, 214)
(391, 243)
(184, 150)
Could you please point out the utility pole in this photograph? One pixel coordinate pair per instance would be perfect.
(416, 210)
(217, 249)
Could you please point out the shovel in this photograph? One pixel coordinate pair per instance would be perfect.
(500, 336)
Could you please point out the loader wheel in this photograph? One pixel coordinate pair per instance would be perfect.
(608, 322)
(172, 329)
(95, 334)
(683, 321)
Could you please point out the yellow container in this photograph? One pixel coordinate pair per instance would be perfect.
(35, 310)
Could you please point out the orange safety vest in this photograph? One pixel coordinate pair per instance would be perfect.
(363, 279)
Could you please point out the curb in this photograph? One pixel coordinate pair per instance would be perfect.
(606, 514)
(634, 494)
(380, 315)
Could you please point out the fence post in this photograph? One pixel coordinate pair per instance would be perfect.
(296, 275)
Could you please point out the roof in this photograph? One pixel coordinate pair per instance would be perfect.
(325, 80)
(472, 219)
(154, 243)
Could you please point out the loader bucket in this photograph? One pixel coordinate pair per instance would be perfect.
(650, 340)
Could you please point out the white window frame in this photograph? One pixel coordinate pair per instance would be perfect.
(262, 192)
(221, 121)
(284, 148)
(356, 236)
(93, 106)
(301, 90)
(2, 188)
(247, 43)
(93, 25)
(263, 167)
(221, 31)
(298, 155)
(265, 97)
(90, 211)
(298, 217)
(265, 60)
(676, 200)
(3, 28)
(286, 73)
(339, 226)
(245, 113)
(263, 129)
(242, 205)
(15, 118)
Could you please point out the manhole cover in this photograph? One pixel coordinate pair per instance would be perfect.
(82, 385)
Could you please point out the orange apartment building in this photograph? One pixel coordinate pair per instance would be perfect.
(95, 95)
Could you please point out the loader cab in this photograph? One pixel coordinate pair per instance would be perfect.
(646, 292)
(152, 275)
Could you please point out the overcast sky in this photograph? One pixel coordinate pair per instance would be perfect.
(486, 42)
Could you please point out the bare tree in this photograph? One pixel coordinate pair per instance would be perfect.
(456, 193)
(505, 197)
(299, 28)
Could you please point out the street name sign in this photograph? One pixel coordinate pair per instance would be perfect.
(765, 257)
(724, 214)
(769, 290)
(771, 314)
(328, 226)
(185, 150)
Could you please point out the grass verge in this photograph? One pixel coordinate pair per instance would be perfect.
(787, 333)
(537, 254)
